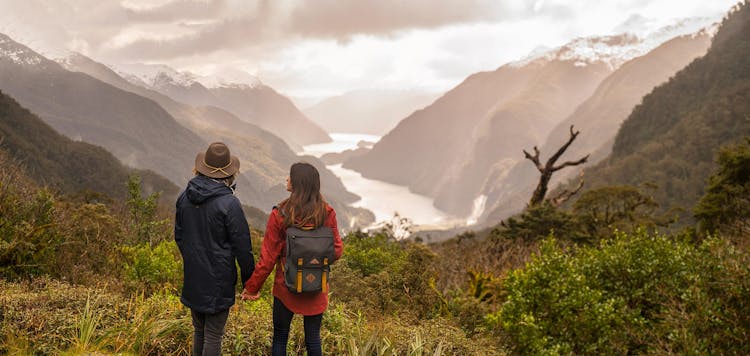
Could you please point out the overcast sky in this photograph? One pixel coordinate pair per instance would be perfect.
(318, 48)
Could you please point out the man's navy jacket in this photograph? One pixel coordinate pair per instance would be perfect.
(211, 232)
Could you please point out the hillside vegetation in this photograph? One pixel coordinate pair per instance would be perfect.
(610, 274)
(672, 138)
(64, 164)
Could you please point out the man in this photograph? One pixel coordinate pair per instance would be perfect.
(211, 232)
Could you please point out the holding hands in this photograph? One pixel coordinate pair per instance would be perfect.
(247, 296)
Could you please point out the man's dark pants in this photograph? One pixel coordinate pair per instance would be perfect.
(209, 329)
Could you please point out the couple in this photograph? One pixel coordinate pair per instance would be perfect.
(212, 232)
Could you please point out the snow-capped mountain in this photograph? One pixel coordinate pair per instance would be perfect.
(230, 78)
(14, 52)
(160, 75)
(617, 49)
(154, 75)
(498, 113)
(598, 119)
(233, 90)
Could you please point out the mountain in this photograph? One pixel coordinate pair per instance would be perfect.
(445, 150)
(598, 119)
(472, 137)
(252, 102)
(553, 93)
(138, 131)
(671, 139)
(61, 163)
(265, 157)
(372, 112)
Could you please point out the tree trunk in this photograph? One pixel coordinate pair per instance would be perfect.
(549, 168)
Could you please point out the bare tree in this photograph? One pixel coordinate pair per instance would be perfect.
(547, 169)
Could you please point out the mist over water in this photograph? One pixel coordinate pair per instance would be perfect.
(341, 142)
(382, 198)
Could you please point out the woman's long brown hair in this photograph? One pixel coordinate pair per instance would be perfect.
(305, 207)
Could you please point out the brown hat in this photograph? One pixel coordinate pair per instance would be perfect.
(217, 162)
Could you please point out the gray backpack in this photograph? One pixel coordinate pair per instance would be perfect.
(309, 255)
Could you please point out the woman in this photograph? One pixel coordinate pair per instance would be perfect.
(306, 209)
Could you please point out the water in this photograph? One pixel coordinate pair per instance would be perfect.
(382, 198)
(341, 142)
(477, 210)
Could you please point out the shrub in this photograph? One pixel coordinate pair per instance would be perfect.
(634, 293)
(377, 273)
(28, 231)
(371, 254)
(153, 268)
(536, 223)
(725, 206)
(551, 308)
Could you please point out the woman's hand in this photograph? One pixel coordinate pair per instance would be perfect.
(247, 296)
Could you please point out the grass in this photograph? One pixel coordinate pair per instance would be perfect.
(46, 316)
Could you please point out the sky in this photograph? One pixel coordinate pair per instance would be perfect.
(318, 48)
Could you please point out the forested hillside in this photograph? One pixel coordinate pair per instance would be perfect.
(53, 159)
(598, 119)
(673, 137)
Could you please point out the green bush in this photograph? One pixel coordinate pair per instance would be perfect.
(536, 223)
(725, 206)
(712, 316)
(28, 230)
(379, 274)
(371, 254)
(634, 293)
(552, 309)
(153, 268)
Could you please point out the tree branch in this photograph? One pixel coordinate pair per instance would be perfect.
(549, 168)
(565, 195)
(564, 147)
(534, 158)
(569, 163)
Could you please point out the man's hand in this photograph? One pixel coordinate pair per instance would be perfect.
(247, 296)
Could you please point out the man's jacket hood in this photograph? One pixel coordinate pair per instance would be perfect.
(202, 188)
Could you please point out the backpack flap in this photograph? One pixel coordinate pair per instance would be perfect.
(309, 254)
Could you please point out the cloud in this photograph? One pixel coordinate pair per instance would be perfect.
(330, 46)
(342, 19)
(174, 11)
(203, 39)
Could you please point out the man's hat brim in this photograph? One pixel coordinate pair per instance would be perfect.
(216, 172)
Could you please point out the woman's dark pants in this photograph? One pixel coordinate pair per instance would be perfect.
(282, 320)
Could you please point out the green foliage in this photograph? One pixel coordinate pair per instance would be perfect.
(85, 338)
(45, 317)
(43, 233)
(712, 316)
(536, 223)
(725, 207)
(371, 254)
(630, 294)
(477, 299)
(64, 164)
(551, 309)
(482, 286)
(672, 137)
(153, 268)
(379, 273)
(143, 222)
(28, 231)
(600, 212)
